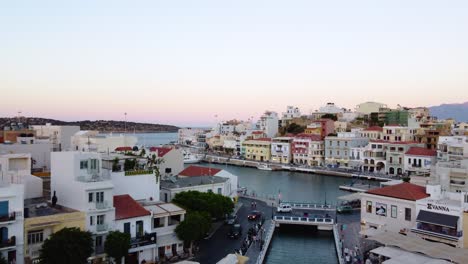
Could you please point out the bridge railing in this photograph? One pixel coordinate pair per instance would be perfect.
(310, 205)
(299, 219)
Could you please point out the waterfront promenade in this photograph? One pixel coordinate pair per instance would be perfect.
(348, 173)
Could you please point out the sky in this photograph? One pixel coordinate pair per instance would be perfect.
(197, 62)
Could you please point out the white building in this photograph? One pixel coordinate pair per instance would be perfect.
(164, 218)
(133, 219)
(291, 112)
(281, 150)
(229, 187)
(92, 141)
(452, 148)
(39, 150)
(391, 208)
(80, 184)
(269, 123)
(331, 108)
(16, 168)
(418, 161)
(59, 136)
(189, 136)
(172, 160)
(11, 220)
(215, 184)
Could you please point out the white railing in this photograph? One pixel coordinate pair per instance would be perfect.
(314, 206)
(305, 220)
(268, 238)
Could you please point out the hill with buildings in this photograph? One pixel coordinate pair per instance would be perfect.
(100, 125)
(459, 112)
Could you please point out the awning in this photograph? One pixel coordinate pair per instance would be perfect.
(437, 219)
(350, 197)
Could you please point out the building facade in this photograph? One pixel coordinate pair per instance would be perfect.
(281, 150)
(257, 149)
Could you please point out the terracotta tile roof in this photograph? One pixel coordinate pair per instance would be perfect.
(404, 191)
(418, 151)
(257, 132)
(161, 151)
(126, 207)
(259, 139)
(195, 171)
(374, 128)
(123, 149)
(310, 136)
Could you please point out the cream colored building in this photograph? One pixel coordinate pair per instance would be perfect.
(369, 107)
(258, 149)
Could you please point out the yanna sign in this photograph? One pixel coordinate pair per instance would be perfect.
(437, 207)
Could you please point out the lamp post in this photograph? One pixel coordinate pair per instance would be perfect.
(272, 205)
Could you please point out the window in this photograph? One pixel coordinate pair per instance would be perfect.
(394, 211)
(90, 197)
(409, 160)
(91, 220)
(83, 164)
(408, 214)
(466, 198)
(158, 222)
(98, 241)
(369, 207)
(94, 164)
(100, 197)
(139, 228)
(35, 237)
(210, 191)
(127, 228)
(219, 191)
(168, 170)
(100, 219)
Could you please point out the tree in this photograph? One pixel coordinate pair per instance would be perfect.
(69, 245)
(142, 152)
(3, 260)
(195, 227)
(294, 128)
(406, 179)
(330, 116)
(153, 163)
(117, 245)
(216, 205)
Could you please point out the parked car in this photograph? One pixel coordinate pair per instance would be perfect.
(284, 208)
(254, 215)
(344, 209)
(231, 219)
(235, 231)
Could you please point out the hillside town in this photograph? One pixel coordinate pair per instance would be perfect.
(55, 177)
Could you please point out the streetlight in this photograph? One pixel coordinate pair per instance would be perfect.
(272, 205)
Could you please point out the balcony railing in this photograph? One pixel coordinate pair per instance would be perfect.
(8, 217)
(11, 242)
(138, 172)
(102, 205)
(145, 240)
(102, 228)
(454, 237)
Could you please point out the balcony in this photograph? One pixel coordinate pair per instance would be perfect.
(102, 228)
(102, 205)
(93, 178)
(457, 182)
(455, 236)
(145, 240)
(11, 242)
(8, 217)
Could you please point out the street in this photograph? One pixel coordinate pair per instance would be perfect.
(220, 245)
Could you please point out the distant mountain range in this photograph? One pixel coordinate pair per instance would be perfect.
(100, 125)
(459, 112)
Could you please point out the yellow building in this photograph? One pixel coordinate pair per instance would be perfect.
(258, 149)
(42, 220)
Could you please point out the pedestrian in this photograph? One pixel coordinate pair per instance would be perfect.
(255, 205)
(346, 251)
(348, 259)
(251, 205)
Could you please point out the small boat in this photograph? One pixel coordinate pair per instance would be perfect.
(264, 167)
(190, 158)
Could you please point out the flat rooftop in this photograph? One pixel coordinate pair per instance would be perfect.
(38, 207)
(191, 181)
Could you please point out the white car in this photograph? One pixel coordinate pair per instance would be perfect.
(284, 208)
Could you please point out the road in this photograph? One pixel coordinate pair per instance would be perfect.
(219, 245)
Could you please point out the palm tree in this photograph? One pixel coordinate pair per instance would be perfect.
(152, 163)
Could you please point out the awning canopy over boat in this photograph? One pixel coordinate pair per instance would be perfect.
(350, 197)
(437, 219)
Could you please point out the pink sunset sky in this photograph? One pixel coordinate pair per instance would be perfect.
(182, 63)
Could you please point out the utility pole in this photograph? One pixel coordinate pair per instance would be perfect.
(125, 123)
